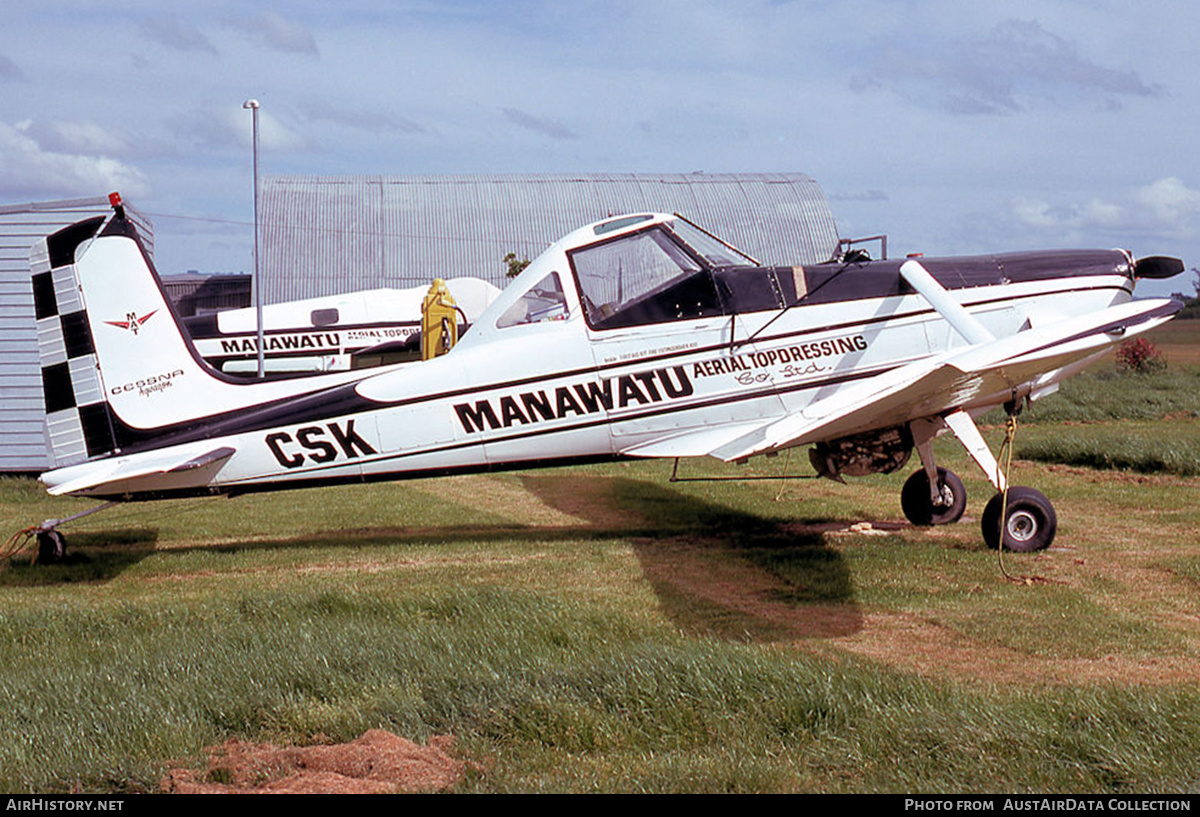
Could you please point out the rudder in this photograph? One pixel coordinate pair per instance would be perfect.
(78, 425)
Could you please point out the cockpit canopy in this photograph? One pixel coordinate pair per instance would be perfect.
(671, 271)
(642, 270)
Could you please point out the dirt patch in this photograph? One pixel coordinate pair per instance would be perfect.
(907, 641)
(1128, 477)
(376, 763)
(837, 528)
(706, 587)
(366, 566)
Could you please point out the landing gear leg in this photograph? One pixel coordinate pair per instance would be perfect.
(1029, 522)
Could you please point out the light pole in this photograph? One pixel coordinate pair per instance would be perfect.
(252, 106)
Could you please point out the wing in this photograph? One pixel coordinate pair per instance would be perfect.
(984, 373)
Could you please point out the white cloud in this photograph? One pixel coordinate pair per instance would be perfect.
(1166, 208)
(1171, 204)
(89, 138)
(623, 85)
(29, 170)
(226, 126)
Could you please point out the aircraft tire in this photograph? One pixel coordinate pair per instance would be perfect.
(52, 547)
(1031, 523)
(914, 499)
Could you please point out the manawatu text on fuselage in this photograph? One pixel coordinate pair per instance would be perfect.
(274, 343)
(578, 399)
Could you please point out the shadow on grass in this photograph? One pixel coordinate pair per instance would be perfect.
(92, 556)
(717, 570)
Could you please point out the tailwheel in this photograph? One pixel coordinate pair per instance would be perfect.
(923, 507)
(52, 547)
(1030, 525)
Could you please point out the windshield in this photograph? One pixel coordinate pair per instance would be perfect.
(645, 277)
(713, 250)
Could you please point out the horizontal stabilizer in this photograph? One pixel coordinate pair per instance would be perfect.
(89, 476)
(967, 377)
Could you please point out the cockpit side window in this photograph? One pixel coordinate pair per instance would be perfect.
(324, 317)
(642, 278)
(544, 301)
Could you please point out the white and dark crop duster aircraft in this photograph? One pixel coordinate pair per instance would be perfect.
(638, 336)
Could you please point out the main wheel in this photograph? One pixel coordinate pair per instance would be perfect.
(1031, 522)
(52, 546)
(917, 502)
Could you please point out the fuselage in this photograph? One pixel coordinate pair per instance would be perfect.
(549, 375)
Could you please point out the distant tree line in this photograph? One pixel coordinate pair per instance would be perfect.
(1191, 303)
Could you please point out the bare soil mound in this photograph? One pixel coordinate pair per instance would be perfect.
(378, 762)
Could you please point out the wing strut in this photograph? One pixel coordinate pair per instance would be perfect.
(968, 434)
(963, 321)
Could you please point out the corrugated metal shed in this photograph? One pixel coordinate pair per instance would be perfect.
(196, 294)
(22, 436)
(324, 235)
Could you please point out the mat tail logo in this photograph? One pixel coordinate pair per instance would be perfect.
(132, 322)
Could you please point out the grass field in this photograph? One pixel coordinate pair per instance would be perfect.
(1109, 419)
(603, 629)
(1179, 341)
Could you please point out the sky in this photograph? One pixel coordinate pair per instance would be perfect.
(952, 127)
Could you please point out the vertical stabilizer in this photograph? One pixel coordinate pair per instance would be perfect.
(117, 367)
(77, 421)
